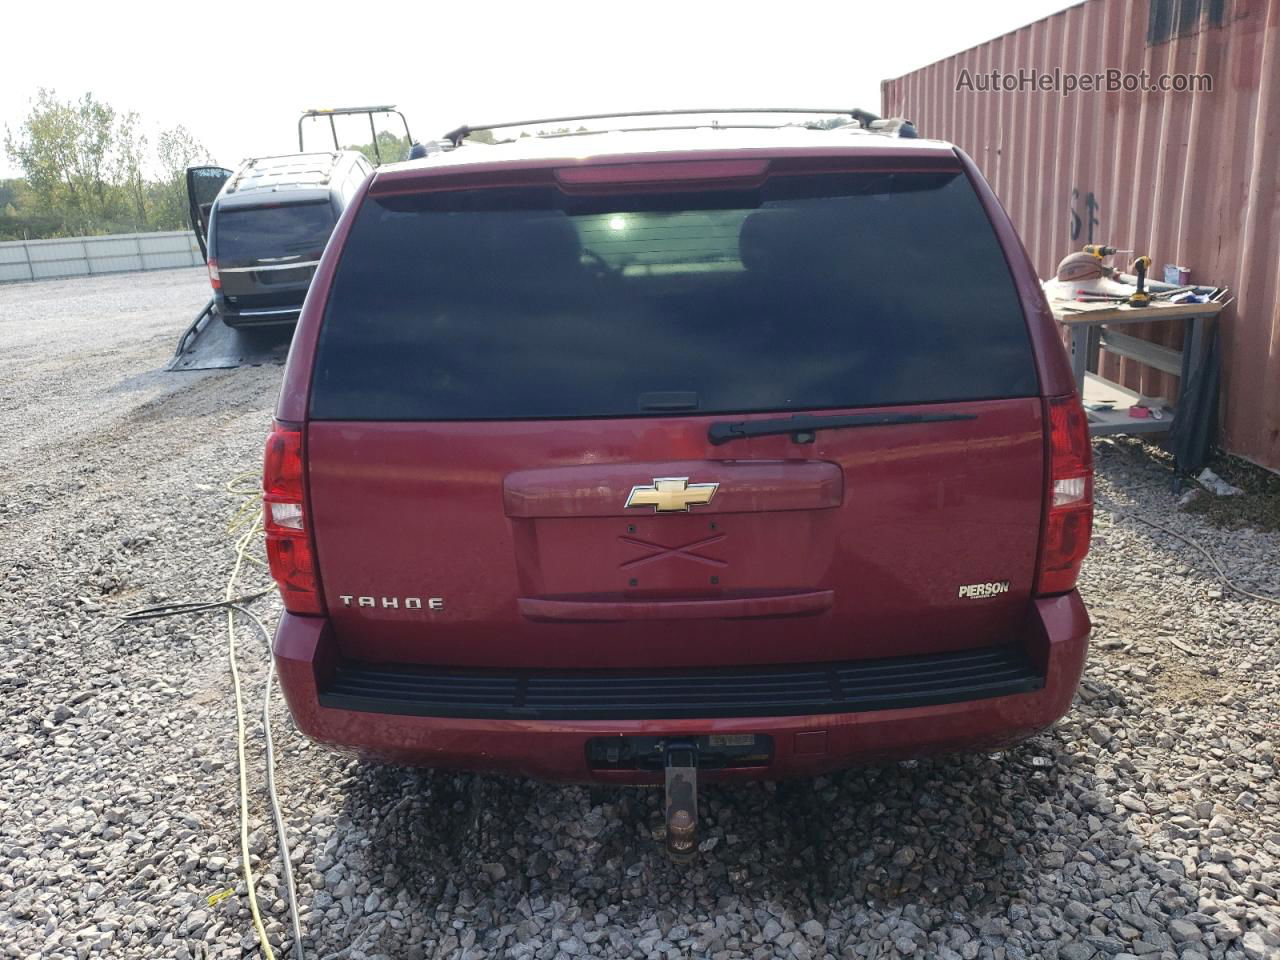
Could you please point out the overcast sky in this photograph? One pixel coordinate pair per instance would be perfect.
(237, 74)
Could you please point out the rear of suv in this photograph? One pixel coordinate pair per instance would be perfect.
(759, 442)
(267, 227)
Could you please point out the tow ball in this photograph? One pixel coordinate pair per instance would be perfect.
(680, 760)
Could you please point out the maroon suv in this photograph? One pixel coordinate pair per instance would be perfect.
(758, 443)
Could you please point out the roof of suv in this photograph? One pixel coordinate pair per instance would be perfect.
(293, 171)
(590, 145)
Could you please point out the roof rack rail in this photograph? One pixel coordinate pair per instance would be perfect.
(331, 112)
(895, 127)
(271, 169)
(339, 111)
(863, 117)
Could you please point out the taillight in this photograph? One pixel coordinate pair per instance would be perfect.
(215, 280)
(285, 521)
(1068, 522)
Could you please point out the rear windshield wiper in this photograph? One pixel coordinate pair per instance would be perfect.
(802, 426)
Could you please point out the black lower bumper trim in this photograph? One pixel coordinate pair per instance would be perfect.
(763, 691)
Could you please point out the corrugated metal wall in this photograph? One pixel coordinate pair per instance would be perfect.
(1190, 178)
(85, 256)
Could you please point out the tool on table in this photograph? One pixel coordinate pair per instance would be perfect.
(1101, 250)
(1081, 267)
(1140, 297)
(1086, 267)
(1090, 296)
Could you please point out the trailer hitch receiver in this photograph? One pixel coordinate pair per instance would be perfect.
(680, 759)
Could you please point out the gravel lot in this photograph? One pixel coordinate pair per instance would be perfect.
(1147, 824)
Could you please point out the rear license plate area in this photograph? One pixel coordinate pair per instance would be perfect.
(276, 278)
(720, 751)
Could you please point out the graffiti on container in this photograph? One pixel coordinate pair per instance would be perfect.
(1078, 224)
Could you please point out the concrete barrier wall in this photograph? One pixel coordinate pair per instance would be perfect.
(88, 256)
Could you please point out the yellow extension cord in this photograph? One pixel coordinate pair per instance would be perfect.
(242, 545)
(247, 515)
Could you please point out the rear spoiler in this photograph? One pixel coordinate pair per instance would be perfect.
(703, 169)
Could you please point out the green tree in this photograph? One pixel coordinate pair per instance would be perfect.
(390, 147)
(176, 149)
(90, 169)
(65, 150)
(129, 156)
(22, 217)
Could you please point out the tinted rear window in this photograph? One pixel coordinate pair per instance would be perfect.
(809, 293)
(250, 234)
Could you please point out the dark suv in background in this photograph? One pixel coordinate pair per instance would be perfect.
(263, 228)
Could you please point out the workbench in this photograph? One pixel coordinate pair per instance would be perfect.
(1093, 328)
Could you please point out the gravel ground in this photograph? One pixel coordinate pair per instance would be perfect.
(1146, 824)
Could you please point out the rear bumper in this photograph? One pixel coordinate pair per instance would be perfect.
(1055, 641)
(249, 316)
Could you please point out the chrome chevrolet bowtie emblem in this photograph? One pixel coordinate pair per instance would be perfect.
(672, 494)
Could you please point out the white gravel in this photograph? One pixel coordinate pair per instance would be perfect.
(1146, 824)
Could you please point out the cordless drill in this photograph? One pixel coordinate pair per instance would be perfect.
(1140, 297)
(1099, 250)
